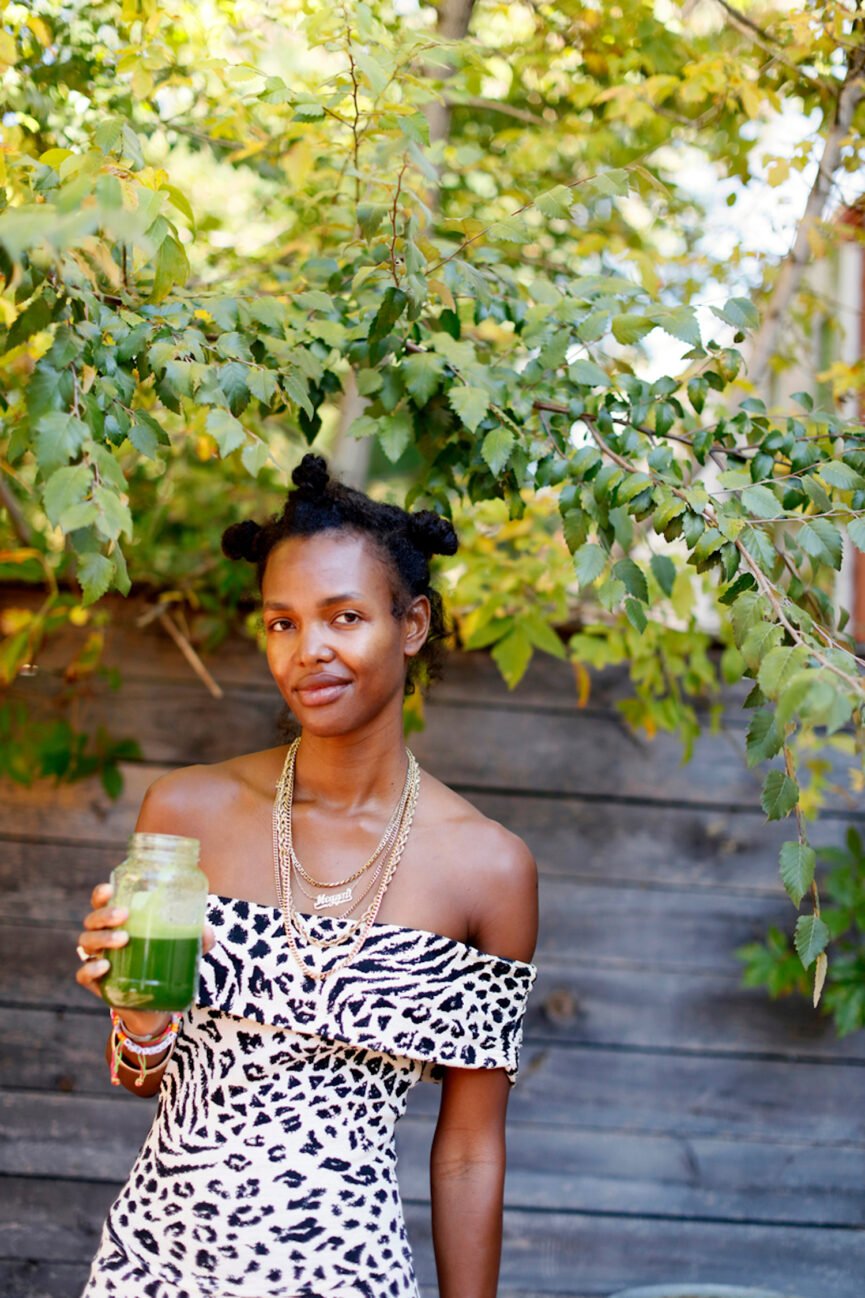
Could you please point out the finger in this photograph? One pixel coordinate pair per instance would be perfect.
(107, 917)
(101, 895)
(208, 940)
(96, 942)
(89, 974)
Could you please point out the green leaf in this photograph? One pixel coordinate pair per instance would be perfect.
(798, 862)
(634, 579)
(588, 374)
(114, 516)
(496, 447)
(254, 457)
(542, 635)
(555, 202)
(575, 526)
(821, 540)
(370, 217)
(313, 299)
(95, 572)
(761, 502)
(664, 572)
(296, 387)
(512, 655)
(778, 668)
(759, 640)
(764, 739)
(108, 134)
(395, 433)
(363, 426)
(172, 267)
(739, 312)
(225, 430)
(810, 938)
(368, 382)
(393, 303)
(680, 322)
(308, 111)
(697, 388)
(589, 562)
(35, 317)
(635, 614)
(780, 795)
(593, 326)
(856, 532)
(840, 475)
(422, 375)
(59, 436)
(262, 383)
(233, 382)
(630, 328)
(471, 404)
(65, 488)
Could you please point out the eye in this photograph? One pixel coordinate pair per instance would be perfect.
(279, 622)
(347, 618)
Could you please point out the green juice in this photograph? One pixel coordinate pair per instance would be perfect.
(156, 970)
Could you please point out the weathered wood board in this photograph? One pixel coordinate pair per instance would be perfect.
(668, 1125)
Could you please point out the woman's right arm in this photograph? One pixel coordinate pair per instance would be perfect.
(103, 931)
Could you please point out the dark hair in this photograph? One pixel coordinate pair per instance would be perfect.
(320, 503)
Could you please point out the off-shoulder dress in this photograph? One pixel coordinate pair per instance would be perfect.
(270, 1167)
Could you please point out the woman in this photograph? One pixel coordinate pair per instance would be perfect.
(368, 928)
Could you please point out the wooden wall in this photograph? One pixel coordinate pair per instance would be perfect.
(667, 1125)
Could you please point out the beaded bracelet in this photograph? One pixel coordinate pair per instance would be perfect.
(162, 1042)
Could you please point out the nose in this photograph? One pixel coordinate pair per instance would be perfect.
(312, 645)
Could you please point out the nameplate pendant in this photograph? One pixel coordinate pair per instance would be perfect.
(325, 899)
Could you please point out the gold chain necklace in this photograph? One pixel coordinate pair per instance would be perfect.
(299, 920)
(282, 870)
(321, 899)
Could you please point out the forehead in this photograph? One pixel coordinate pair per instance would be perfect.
(311, 568)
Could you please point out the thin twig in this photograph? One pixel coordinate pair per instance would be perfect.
(188, 652)
(20, 526)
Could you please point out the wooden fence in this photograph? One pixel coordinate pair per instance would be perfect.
(668, 1126)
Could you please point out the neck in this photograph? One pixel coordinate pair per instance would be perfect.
(346, 772)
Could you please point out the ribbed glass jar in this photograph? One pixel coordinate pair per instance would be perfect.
(166, 895)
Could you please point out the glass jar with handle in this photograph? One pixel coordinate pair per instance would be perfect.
(165, 894)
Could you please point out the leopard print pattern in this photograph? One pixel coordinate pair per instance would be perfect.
(270, 1167)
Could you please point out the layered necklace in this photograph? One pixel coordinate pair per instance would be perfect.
(288, 870)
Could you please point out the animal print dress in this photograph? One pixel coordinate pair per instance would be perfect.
(270, 1168)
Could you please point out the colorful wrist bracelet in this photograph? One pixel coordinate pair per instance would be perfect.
(162, 1042)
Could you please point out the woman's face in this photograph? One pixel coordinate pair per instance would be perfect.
(334, 647)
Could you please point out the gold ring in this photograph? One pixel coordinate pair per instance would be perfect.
(82, 954)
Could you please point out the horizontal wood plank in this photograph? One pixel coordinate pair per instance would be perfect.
(542, 1252)
(548, 1167)
(606, 1088)
(466, 744)
(731, 853)
(147, 652)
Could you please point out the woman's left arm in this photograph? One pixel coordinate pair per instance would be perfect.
(467, 1177)
(467, 1162)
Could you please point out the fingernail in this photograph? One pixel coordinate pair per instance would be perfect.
(120, 936)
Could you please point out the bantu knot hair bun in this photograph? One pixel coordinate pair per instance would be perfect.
(240, 540)
(311, 477)
(432, 533)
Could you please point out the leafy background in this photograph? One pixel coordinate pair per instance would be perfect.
(462, 251)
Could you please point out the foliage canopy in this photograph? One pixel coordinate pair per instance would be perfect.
(230, 231)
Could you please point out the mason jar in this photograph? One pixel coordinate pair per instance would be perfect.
(165, 894)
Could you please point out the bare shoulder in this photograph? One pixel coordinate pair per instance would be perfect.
(502, 882)
(193, 800)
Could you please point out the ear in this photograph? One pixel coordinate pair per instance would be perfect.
(416, 622)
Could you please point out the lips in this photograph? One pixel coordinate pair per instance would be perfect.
(317, 691)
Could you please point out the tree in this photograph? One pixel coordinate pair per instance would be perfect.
(213, 228)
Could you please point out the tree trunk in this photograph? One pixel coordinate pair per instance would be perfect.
(453, 25)
(793, 266)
